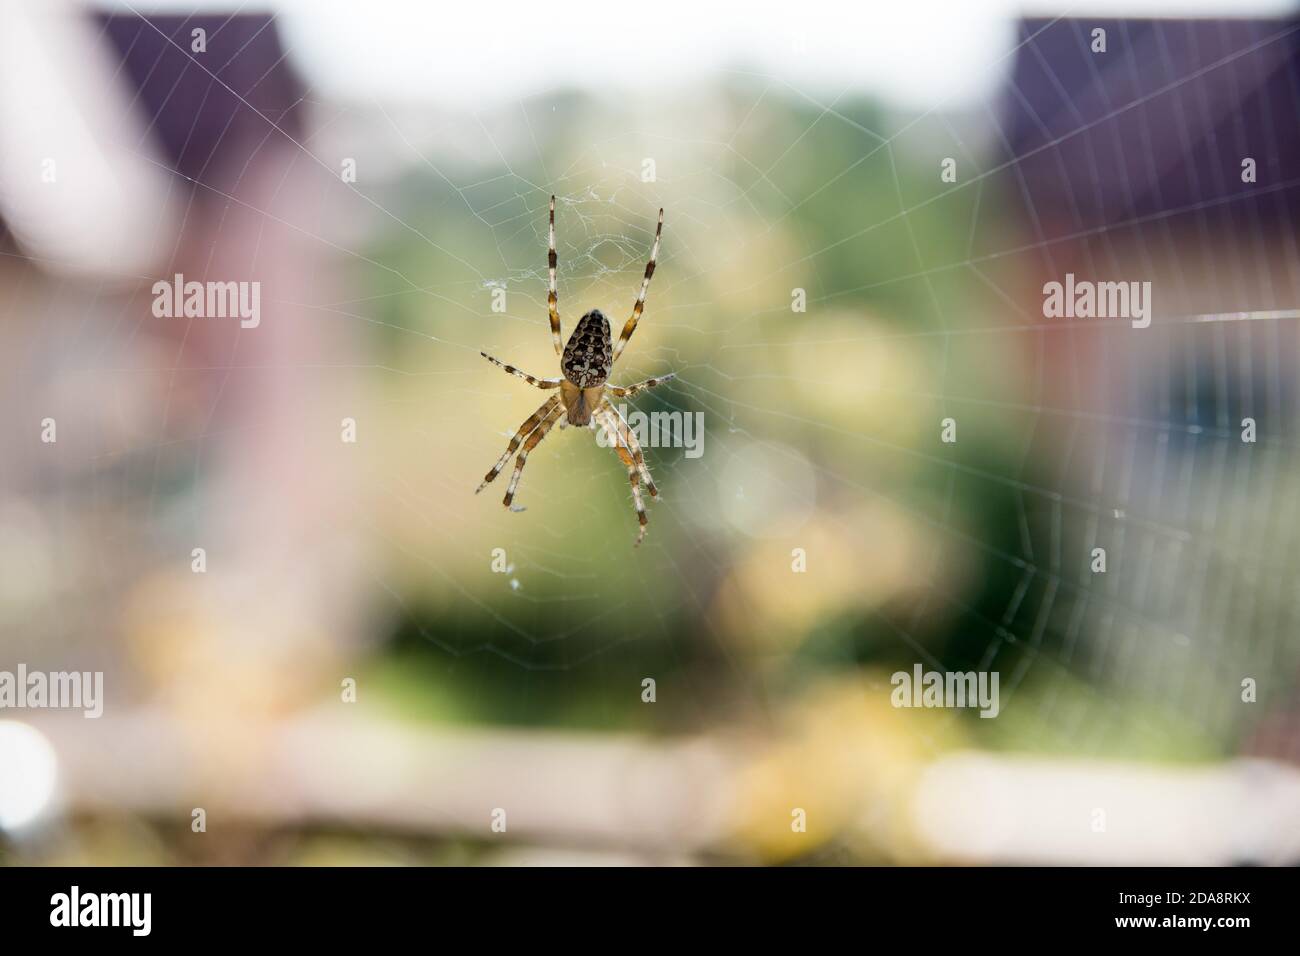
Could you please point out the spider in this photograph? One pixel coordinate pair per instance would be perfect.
(585, 364)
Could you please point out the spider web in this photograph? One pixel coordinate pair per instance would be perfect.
(821, 427)
(1153, 651)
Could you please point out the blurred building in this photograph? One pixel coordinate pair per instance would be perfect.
(1166, 151)
(132, 150)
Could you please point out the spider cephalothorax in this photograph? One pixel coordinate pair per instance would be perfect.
(583, 399)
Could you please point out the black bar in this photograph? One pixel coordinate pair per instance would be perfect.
(440, 906)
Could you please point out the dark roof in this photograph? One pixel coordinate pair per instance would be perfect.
(1156, 126)
(203, 107)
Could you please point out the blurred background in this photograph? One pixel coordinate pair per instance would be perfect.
(366, 663)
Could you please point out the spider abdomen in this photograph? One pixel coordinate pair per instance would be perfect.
(588, 356)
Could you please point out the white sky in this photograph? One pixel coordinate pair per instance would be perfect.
(917, 53)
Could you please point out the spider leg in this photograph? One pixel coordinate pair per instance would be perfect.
(633, 446)
(552, 299)
(524, 431)
(628, 391)
(531, 380)
(529, 445)
(640, 299)
(611, 430)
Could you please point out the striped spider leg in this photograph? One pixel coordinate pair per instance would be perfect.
(537, 421)
(614, 435)
(520, 373)
(637, 309)
(629, 450)
(555, 415)
(552, 298)
(629, 390)
(633, 446)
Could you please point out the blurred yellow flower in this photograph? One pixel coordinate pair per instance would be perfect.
(848, 760)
